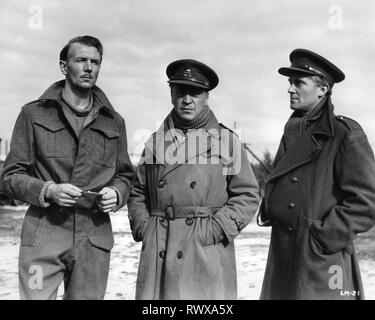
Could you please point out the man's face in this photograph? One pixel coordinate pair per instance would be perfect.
(304, 93)
(82, 66)
(188, 101)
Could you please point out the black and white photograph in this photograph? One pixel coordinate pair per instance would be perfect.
(207, 150)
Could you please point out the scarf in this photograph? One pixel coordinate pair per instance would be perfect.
(299, 122)
(198, 122)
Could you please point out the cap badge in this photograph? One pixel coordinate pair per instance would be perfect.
(188, 73)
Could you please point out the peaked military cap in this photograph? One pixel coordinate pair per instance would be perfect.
(306, 62)
(193, 73)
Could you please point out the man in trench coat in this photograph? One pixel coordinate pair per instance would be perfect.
(69, 141)
(320, 194)
(194, 192)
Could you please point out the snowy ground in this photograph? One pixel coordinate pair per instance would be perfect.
(251, 254)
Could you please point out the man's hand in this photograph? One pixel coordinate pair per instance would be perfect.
(63, 194)
(108, 201)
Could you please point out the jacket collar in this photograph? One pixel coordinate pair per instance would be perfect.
(307, 147)
(324, 125)
(156, 147)
(53, 92)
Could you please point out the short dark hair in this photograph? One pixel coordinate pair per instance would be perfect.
(86, 40)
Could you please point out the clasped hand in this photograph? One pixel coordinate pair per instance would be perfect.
(66, 195)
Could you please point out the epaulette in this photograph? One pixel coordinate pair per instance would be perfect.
(349, 123)
(36, 101)
(31, 102)
(230, 130)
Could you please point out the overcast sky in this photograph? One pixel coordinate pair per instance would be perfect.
(244, 41)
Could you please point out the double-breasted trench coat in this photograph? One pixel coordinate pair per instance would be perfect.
(173, 209)
(320, 195)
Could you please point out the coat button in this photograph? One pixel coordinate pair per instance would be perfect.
(291, 205)
(189, 221)
(162, 254)
(290, 229)
(162, 183)
(294, 179)
(179, 254)
(193, 184)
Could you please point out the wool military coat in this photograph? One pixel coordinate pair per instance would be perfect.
(320, 195)
(44, 148)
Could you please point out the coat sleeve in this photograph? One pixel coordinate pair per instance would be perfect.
(262, 219)
(18, 177)
(122, 182)
(138, 204)
(355, 211)
(243, 201)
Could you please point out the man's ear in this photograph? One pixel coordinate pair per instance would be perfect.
(322, 90)
(63, 67)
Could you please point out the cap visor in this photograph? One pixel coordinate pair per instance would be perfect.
(291, 71)
(189, 83)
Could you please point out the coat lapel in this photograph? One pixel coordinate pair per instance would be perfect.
(170, 149)
(301, 153)
(197, 143)
(280, 152)
(307, 147)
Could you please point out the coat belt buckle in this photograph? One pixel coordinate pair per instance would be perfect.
(169, 213)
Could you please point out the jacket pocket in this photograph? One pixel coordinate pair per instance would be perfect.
(104, 146)
(324, 271)
(31, 227)
(204, 232)
(102, 242)
(99, 231)
(315, 246)
(53, 139)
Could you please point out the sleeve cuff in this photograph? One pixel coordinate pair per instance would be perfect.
(218, 232)
(42, 201)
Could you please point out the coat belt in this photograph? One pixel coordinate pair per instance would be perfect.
(172, 212)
